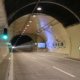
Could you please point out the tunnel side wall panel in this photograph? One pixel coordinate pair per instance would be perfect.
(4, 61)
(74, 33)
(4, 51)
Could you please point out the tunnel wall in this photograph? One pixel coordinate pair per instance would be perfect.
(56, 34)
(61, 35)
(4, 60)
(4, 51)
(59, 32)
(74, 34)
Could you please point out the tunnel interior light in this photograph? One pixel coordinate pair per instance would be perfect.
(13, 47)
(39, 8)
(79, 47)
(34, 16)
(22, 32)
(28, 25)
(30, 21)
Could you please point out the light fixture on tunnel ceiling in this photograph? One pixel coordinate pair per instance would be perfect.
(34, 16)
(39, 9)
(79, 47)
(30, 21)
(13, 47)
(28, 25)
(23, 31)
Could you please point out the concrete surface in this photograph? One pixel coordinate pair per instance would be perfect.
(4, 65)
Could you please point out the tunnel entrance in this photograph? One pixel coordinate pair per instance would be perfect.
(50, 29)
(24, 43)
(23, 39)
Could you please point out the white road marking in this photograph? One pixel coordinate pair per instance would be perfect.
(69, 74)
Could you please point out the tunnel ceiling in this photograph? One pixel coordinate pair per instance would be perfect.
(18, 8)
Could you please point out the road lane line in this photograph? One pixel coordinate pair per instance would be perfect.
(69, 74)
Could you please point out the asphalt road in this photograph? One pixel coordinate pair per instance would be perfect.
(44, 66)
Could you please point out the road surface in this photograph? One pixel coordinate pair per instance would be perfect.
(44, 66)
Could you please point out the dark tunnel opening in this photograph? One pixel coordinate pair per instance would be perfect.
(17, 40)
